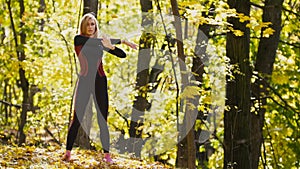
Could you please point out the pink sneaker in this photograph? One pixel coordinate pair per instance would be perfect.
(107, 158)
(67, 156)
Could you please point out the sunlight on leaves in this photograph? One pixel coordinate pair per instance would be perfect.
(268, 32)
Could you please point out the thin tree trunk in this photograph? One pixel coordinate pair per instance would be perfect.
(42, 10)
(23, 80)
(141, 103)
(4, 107)
(237, 116)
(198, 71)
(264, 66)
(186, 153)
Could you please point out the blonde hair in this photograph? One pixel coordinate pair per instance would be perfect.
(84, 22)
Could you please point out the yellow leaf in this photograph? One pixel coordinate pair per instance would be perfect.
(257, 28)
(114, 16)
(279, 78)
(265, 24)
(190, 92)
(201, 108)
(238, 33)
(244, 18)
(207, 100)
(261, 25)
(268, 32)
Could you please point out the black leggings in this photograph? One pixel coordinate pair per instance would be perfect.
(86, 87)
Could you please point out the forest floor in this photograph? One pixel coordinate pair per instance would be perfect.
(50, 157)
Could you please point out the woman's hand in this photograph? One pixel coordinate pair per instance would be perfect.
(130, 44)
(107, 43)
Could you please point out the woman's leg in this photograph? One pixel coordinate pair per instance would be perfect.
(101, 99)
(81, 99)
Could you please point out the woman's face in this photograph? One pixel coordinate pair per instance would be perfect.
(90, 27)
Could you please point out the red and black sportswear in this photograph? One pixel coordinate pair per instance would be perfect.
(92, 81)
(90, 52)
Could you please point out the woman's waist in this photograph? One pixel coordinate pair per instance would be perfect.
(91, 76)
(92, 70)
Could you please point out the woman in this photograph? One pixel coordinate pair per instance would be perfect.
(92, 80)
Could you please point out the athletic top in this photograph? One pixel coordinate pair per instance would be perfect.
(90, 51)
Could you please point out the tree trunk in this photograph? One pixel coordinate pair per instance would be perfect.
(23, 80)
(186, 153)
(237, 115)
(4, 107)
(198, 71)
(90, 6)
(42, 10)
(141, 104)
(264, 66)
(83, 139)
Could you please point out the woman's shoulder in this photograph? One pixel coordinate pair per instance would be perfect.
(78, 36)
(79, 39)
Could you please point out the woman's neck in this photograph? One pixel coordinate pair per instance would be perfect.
(89, 36)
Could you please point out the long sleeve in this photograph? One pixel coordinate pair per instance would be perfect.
(82, 40)
(90, 52)
(117, 52)
(115, 41)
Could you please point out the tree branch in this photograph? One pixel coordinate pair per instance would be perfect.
(290, 11)
(287, 10)
(296, 45)
(256, 5)
(18, 106)
(117, 128)
(276, 93)
(264, 156)
(126, 120)
(12, 25)
(272, 146)
(51, 134)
